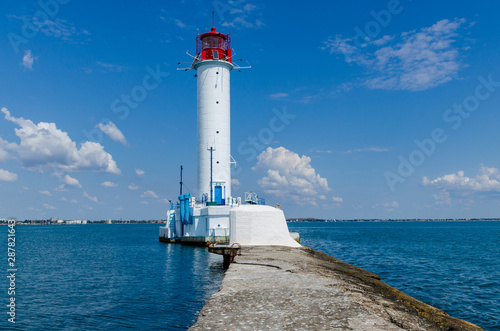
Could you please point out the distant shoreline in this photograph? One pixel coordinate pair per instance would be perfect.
(82, 222)
(299, 220)
(291, 220)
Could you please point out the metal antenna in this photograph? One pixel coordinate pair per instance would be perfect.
(181, 181)
(213, 18)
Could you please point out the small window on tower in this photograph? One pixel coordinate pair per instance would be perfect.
(215, 54)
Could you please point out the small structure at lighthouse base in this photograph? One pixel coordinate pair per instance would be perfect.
(257, 225)
(193, 223)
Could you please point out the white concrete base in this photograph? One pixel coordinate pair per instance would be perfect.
(257, 225)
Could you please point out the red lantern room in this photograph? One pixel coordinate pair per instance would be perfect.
(213, 46)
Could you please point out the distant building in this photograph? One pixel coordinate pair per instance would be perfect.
(75, 222)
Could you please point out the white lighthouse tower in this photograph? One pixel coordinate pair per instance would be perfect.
(203, 216)
(213, 215)
(213, 65)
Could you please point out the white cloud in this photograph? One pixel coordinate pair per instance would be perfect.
(337, 201)
(239, 16)
(47, 193)
(442, 198)
(63, 199)
(290, 176)
(61, 188)
(28, 59)
(179, 23)
(108, 67)
(311, 95)
(91, 198)
(58, 28)
(368, 149)
(7, 176)
(68, 180)
(108, 184)
(48, 207)
(340, 45)
(278, 95)
(249, 7)
(317, 150)
(382, 41)
(235, 183)
(74, 201)
(149, 194)
(390, 206)
(44, 146)
(486, 184)
(414, 60)
(133, 187)
(4, 146)
(139, 172)
(488, 180)
(113, 132)
(243, 22)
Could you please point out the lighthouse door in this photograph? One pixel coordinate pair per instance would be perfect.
(218, 194)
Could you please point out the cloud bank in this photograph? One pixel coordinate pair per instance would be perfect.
(45, 147)
(113, 132)
(415, 60)
(290, 176)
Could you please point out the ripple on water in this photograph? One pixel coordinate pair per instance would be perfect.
(101, 277)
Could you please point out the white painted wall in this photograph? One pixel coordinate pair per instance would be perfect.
(213, 96)
(256, 225)
(204, 219)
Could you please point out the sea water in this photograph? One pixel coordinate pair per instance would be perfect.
(113, 277)
(107, 277)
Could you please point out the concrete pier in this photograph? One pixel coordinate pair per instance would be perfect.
(288, 288)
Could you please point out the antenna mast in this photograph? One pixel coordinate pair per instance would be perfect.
(181, 181)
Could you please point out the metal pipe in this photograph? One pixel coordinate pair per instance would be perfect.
(211, 174)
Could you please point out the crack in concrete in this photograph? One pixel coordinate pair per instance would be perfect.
(259, 264)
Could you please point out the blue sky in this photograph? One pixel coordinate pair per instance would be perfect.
(366, 109)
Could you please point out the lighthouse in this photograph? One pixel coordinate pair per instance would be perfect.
(212, 215)
(203, 216)
(213, 65)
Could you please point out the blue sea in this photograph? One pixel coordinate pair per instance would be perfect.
(102, 277)
(107, 277)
